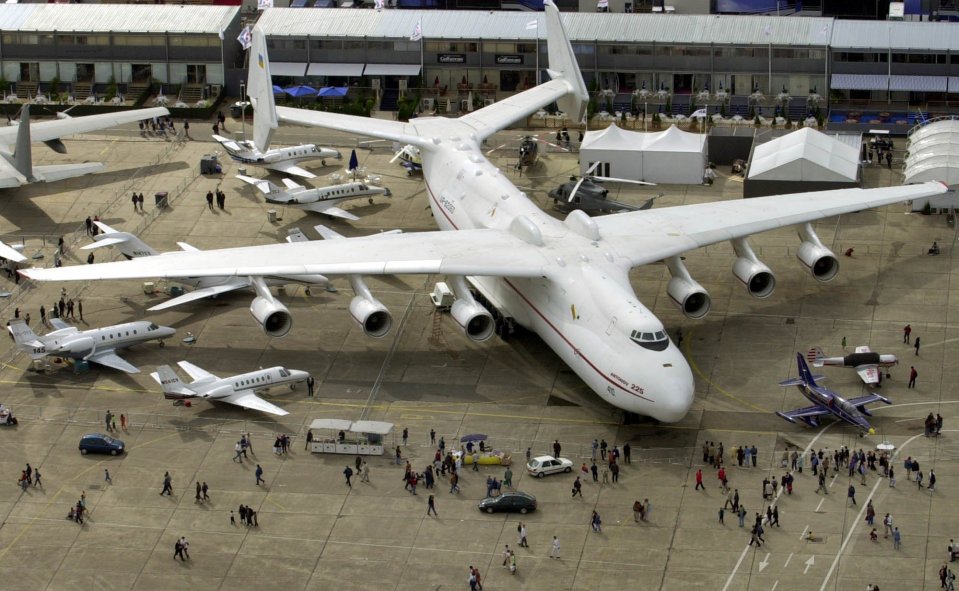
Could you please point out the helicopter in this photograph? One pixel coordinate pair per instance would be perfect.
(588, 194)
(528, 153)
(410, 159)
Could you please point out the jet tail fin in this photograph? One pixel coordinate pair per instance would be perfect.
(815, 356)
(260, 89)
(27, 340)
(804, 374)
(563, 64)
(22, 153)
(170, 383)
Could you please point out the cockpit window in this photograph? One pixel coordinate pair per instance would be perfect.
(654, 341)
(284, 373)
(153, 327)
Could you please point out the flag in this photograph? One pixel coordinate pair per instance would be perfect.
(768, 30)
(417, 31)
(246, 38)
(264, 4)
(700, 113)
(379, 4)
(532, 25)
(602, 4)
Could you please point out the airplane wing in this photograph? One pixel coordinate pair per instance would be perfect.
(198, 294)
(58, 324)
(57, 172)
(648, 236)
(868, 373)
(248, 399)
(863, 349)
(290, 168)
(197, 373)
(504, 113)
(42, 131)
(868, 399)
(808, 412)
(485, 252)
(111, 359)
(8, 252)
(331, 211)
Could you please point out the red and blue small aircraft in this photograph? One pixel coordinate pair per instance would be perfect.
(827, 402)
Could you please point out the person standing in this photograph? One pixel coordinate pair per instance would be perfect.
(742, 515)
(722, 512)
(310, 383)
(852, 494)
(887, 525)
(896, 538)
(753, 453)
(108, 418)
(557, 448)
(186, 546)
(140, 201)
(932, 480)
(917, 346)
(186, 129)
(431, 506)
(259, 475)
(508, 478)
(365, 472)
(178, 551)
(905, 333)
(522, 536)
(626, 453)
(913, 374)
(406, 436)
(232, 518)
(554, 550)
(79, 310)
(135, 199)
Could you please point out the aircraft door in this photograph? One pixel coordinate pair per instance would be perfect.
(612, 325)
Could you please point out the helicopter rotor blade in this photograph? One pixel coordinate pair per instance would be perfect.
(592, 167)
(628, 181)
(575, 188)
(496, 148)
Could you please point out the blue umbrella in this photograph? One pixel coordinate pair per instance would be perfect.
(333, 91)
(277, 89)
(354, 162)
(301, 90)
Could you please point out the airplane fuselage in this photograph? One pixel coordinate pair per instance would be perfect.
(262, 379)
(835, 404)
(248, 154)
(84, 343)
(585, 309)
(333, 194)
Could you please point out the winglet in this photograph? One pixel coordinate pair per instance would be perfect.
(260, 90)
(22, 154)
(563, 64)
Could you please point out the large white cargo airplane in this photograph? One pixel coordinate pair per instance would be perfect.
(16, 167)
(278, 159)
(240, 389)
(98, 345)
(566, 280)
(206, 287)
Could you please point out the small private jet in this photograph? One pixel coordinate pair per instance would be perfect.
(868, 364)
(97, 345)
(16, 165)
(277, 159)
(826, 402)
(272, 315)
(240, 389)
(322, 200)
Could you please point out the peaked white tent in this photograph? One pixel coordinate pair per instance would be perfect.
(672, 156)
(804, 160)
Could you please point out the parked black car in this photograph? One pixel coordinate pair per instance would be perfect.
(515, 502)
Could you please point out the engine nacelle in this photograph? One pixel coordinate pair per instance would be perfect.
(473, 319)
(756, 276)
(821, 262)
(78, 346)
(372, 316)
(273, 316)
(690, 297)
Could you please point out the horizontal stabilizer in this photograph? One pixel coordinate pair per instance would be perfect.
(198, 374)
(118, 238)
(57, 172)
(265, 186)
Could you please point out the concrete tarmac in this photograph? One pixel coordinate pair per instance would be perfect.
(315, 533)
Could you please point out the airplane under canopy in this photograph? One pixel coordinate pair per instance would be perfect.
(568, 280)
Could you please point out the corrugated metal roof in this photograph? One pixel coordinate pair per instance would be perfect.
(903, 35)
(602, 27)
(127, 18)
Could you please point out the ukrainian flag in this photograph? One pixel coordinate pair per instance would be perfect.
(259, 58)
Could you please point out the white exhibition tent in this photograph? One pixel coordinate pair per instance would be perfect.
(934, 153)
(672, 156)
(806, 155)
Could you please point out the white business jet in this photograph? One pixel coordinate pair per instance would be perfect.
(240, 389)
(98, 345)
(278, 159)
(568, 280)
(275, 316)
(320, 199)
(16, 166)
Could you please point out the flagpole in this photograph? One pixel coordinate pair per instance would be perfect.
(422, 67)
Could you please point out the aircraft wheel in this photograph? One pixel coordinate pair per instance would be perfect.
(371, 201)
(162, 344)
(307, 291)
(292, 386)
(323, 162)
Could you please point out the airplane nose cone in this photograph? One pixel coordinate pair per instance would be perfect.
(676, 388)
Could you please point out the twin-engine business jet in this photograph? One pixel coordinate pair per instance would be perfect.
(320, 199)
(16, 167)
(240, 389)
(98, 345)
(566, 280)
(278, 159)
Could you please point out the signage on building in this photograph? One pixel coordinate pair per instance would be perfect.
(451, 58)
(509, 60)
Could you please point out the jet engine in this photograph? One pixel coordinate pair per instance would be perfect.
(821, 262)
(473, 319)
(79, 345)
(755, 275)
(686, 293)
(273, 316)
(371, 315)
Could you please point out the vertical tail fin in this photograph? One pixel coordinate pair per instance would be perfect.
(170, 383)
(27, 341)
(562, 64)
(259, 87)
(804, 374)
(815, 356)
(22, 153)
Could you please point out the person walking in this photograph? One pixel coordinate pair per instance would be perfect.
(238, 449)
(186, 546)
(522, 536)
(167, 484)
(896, 537)
(365, 472)
(106, 476)
(178, 551)
(259, 475)
(431, 506)
(232, 518)
(699, 480)
(209, 200)
(851, 494)
(913, 374)
(205, 490)
(917, 346)
(722, 513)
(348, 473)
(887, 525)
(932, 481)
(554, 550)
(199, 492)
(577, 488)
